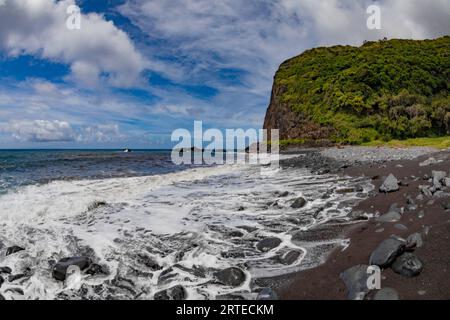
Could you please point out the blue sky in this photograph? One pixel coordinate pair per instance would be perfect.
(139, 69)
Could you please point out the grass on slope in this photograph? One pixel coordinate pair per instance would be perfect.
(438, 143)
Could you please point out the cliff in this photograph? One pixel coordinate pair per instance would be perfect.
(390, 89)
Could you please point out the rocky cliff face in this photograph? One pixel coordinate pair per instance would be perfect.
(383, 90)
(292, 125)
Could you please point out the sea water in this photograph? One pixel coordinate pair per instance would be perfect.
(154, 225)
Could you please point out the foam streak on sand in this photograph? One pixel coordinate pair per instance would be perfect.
(156, 232)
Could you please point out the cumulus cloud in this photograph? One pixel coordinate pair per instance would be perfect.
(40, 130)
(99, 50)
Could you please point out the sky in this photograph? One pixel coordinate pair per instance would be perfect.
(136, 70)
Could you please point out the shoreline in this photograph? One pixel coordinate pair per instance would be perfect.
(324, 283)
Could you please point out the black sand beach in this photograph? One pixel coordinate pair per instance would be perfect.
(424, 213)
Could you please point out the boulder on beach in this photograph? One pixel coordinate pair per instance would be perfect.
(298, 203)
(390, 184)
(355, 279)
(267, 294)
(408, 265)
(13, 249)
(386, 252)
(60, 268)
(268, 244)
(175, 293)
(233, 276)
(386, 294)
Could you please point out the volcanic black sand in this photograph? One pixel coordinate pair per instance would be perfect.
(427, 216)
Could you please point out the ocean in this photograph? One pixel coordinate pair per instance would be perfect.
(153, 225)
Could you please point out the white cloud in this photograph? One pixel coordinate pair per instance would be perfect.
(39, 130)
(98, 50)
(257, 35)
(205, 37)
(61, 131)
(178, 110)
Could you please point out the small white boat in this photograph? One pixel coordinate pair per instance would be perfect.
(127, 150)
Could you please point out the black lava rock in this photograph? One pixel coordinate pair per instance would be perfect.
(408, 265)
(355, 279)
(175, 293)
(390, 184)
(386, 252)
(13, 249)
(60, 268)
(231, 276)
(5, 270)
(298, 203)
(289, 257)
(15, 277)
(268, 244)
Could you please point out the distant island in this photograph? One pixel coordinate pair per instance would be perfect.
(384, 90)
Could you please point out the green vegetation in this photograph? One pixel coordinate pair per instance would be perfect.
(438, 143)
(284, 143)
(396, 89)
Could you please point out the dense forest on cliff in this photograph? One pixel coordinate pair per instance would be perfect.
(389, 89)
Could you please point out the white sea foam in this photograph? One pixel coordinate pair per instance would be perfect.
(197, 219)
